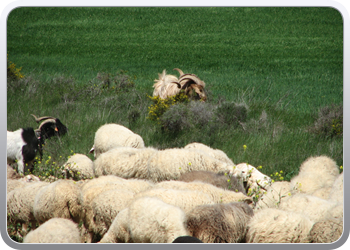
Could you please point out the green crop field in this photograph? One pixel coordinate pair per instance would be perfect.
(91, 66)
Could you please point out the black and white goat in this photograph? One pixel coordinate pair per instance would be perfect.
(50, 127)
(22, 146)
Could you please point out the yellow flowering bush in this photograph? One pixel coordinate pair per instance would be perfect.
(159, 106)
(13, 72)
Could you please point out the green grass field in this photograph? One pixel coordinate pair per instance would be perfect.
(284, 63)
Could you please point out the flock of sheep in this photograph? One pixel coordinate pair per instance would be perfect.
(196, 194)
(136, 194)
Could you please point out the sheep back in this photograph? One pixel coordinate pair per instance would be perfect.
(118, 231)
(150, 220)
(169, 164)
(274, 195)
(124, 162)
(184, 199)
(315, 173)
(60, 199)
(55, 230)
(218, 195)
(113, 135)
(79, 166)
(106, 206)
(20, 202)
(314, 207)
(215, 153)
(223, 181)
(219, 223)
(273, 225)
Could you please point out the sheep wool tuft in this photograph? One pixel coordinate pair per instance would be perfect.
(326, 231)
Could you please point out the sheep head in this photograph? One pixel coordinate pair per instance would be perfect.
(190, 83)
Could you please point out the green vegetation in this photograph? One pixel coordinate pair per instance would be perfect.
(271, 75)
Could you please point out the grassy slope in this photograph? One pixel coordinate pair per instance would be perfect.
(286, 61)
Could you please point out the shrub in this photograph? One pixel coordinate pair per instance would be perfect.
(118, 82)
(329, 121)
(160, 106)
(13, 73)
(232, 114)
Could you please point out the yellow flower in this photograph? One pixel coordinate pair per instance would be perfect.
(244, 147)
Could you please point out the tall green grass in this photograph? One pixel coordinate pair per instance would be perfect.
(286, 62)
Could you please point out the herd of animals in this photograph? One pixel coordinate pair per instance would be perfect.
(131, 193)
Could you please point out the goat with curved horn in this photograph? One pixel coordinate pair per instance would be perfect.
(170, 85)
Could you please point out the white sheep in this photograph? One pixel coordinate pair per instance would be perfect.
(125, 162)
(314, 207)
(59, 199)
(22, 147)
(106, 206)
(253, 177)
(55, 230)
(20, 204)
(102, 184)
(169, 164)
(215, 153)
(219, 223)
(218, 195)
(113, 135)
(118, 231)
(274, 195)
(271, 225)
(148, 220)
(184, 199)
(315, 173)
(79, 166)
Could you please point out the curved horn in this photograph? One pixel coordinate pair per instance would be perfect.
(193, 78)
(42, 118)
(178, 84)
(47, 121)
(180, 71)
